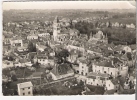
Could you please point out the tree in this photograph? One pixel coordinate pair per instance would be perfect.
(129, 56)
(31, 47)
(62, 55)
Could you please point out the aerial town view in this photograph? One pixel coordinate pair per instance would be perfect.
(68, 51)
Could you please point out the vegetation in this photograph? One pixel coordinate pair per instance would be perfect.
(31, 47)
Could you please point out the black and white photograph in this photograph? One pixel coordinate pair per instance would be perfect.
(56, 48)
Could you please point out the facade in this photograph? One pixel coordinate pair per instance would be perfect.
(112, 84)
(84, 66)
(97, 79)
(56, 28)
(25, 89)
(16, 42)
(32, 37)
(111, 68)
(7, 64)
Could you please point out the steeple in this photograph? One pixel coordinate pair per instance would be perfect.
(56, 20)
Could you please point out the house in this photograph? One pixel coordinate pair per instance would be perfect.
(25, 89)
(112, 84)
(127, 49)
(132, 26)
(116, 24)
(32, 37)
(40, 47)
(42, 59)
(84, 66)
(25, 62)
(16, 41)
(24, 48)
(44, 35)
(73, 33)
(97, 79)
(73, 56)
(6, 50)
(17, 64)
(7, 64)
(118, 49)
(113, 67)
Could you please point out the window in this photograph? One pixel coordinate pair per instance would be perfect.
(28, 87)
(28, 92)
(104, 71)
(22, 88)
(97, 84)
(23, 93)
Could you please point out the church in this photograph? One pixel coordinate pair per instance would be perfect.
(59, 34)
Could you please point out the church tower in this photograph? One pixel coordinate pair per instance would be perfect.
(56, 28)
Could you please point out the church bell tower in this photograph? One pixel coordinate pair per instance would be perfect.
(56, 28)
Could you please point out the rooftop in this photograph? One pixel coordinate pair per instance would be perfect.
(93, 74)
(24, 85)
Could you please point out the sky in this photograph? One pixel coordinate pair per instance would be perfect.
(69, 5)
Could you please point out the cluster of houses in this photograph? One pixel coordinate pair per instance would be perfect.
(95, 61)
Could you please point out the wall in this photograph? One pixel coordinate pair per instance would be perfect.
(109, 85)
(26, 90)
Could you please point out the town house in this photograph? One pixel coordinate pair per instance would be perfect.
(17, 42)
(32, 36)
(84, 66)
(97, 79)
(114, 67)
(25, 89)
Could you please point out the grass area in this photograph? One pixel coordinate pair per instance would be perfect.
(20, 72)
(96, 90)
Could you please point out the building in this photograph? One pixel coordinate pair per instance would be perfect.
(112, 84)
(16, 41)
(7, 64)
(25, 89)
(32, 36)
(56, 28)
(97, 79)
(113, 67)
(84, 66)
(98, 37)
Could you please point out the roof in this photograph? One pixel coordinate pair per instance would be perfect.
(37, 74)
(24, 85)
(115, 81)
(118, 48)
(110, 91)
(104, 63)
(133, 47)
(24, 60)
(93, 74)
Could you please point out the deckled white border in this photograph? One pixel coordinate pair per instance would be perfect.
(92, 97)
